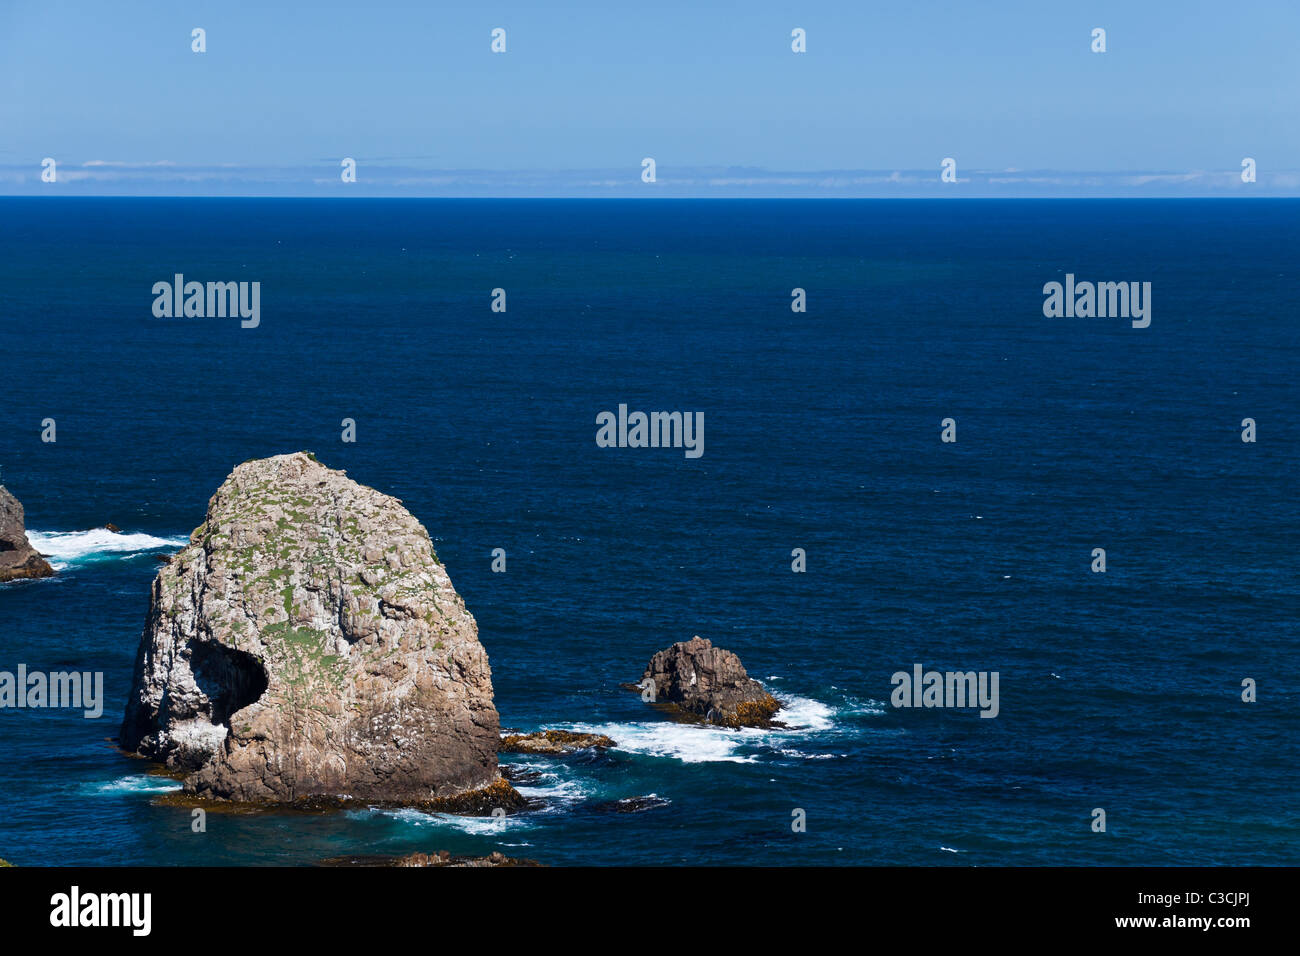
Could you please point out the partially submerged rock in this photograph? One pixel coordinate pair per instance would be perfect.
(486, 801)
(708, 684)
(437, 858)
(18, 559)
(521, 775)
(444, 858)
(553, 742)
(649, 801)
(307, 646)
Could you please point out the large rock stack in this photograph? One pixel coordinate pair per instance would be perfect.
(308, 644)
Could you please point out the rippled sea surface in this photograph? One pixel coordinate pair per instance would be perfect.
(1119, 691)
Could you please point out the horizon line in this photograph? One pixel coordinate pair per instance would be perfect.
(812, 198)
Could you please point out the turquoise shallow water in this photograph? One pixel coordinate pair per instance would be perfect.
(1118, 691)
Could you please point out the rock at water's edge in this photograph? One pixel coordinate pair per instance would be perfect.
(553, 742)
(18, 559)
(709, 684)
(308, 645)
(437, 858)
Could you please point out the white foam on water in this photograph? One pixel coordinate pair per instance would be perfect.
(857, 707)
(140, 783)
(704, 743)
(66, 548)
(803, 713)
(789, 752)
(419, 818)
(689, 743)
(551, 787)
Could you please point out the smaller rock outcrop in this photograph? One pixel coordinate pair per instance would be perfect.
(18, 559)
(709, 684)
(553, 742)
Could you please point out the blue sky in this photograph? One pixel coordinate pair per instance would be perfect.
(711, 90)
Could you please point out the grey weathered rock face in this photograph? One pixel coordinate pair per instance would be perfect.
(710, 684)
(18, 559)
(308, 644)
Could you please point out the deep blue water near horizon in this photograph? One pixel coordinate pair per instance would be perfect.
(1118, 690)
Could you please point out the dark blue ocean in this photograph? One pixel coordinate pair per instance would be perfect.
(1119, 691)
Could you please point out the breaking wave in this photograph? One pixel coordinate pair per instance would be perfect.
(64, 549)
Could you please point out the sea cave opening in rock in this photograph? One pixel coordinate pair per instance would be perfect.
(230, 679)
